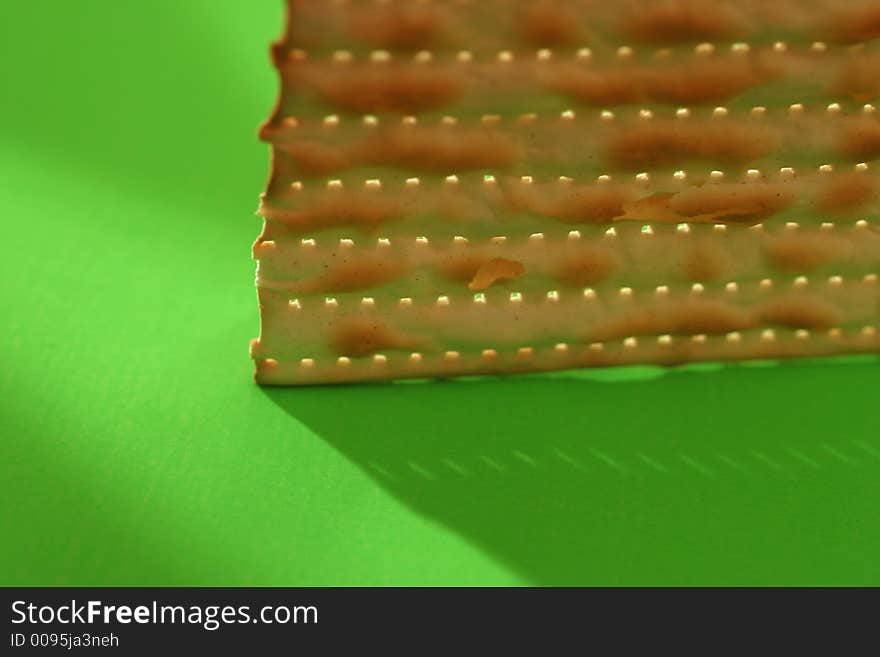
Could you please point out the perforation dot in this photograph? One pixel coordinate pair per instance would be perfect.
(266, 247)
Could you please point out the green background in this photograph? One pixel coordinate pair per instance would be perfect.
(137, 451)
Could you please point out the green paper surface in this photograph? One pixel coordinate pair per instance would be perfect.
(137, 451)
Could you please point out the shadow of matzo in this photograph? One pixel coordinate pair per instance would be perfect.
(733, 476)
